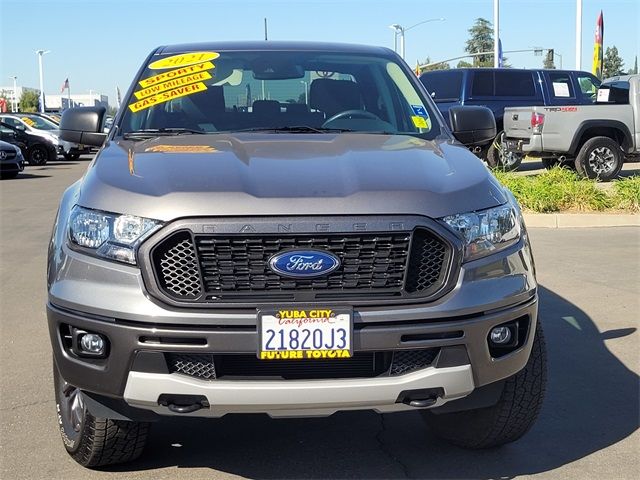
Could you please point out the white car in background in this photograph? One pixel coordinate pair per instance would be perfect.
(42, 127)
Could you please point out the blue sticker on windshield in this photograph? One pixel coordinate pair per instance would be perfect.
(419, 110)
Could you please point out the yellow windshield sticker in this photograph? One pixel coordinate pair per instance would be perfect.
(28, 121)
(183, 60)
(178, 72)
(171, 84)
(421, 122)
(166, 96)
(181, 149)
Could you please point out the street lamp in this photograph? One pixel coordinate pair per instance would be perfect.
(14, 103)
(40, 53)
(399, 29)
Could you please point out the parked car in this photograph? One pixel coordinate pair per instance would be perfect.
(297, 259)
(11, 160)
(596, 138)
(36, 124)
(499, 88)
(35, 148)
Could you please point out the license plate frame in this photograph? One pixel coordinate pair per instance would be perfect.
(306, 318)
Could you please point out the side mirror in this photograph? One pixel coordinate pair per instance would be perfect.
(83, 125)
(473, 125)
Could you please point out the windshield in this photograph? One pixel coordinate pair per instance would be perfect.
(40, 123)
(261, 91)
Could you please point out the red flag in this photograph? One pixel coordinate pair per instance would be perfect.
(65, 85)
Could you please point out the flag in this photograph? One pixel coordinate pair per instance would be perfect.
(64, 85)
(417, 70)
(118, 97)
(598, 53)
(500, 53)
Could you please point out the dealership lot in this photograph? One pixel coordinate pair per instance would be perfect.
(590, 290)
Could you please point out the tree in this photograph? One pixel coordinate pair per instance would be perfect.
(464, 64)
(29, 101)
(548, 60)
(481, 40)
(437, 66)
(612, 64)
(111, 111)
(634, 70)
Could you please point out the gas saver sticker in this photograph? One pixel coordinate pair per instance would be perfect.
(183, 60)
(171, 84)
(166, 96)
(421, 122)
(178, 72)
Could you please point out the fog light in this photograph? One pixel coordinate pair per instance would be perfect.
(92, 343)
(500, 335)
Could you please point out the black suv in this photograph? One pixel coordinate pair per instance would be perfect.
(35, 149)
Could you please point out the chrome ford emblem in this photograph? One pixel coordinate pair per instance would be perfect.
(304, 263)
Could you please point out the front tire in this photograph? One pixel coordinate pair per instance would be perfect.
(600, 158)
(38, 155)
(507, 420)
(498, 158)
(93, 441)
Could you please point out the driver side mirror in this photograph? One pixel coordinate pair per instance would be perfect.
(472, 125)
(83, 125)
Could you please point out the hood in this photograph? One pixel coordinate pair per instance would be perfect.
(255, 174)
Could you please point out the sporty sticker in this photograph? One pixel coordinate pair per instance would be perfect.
(178, 72)
(171, 84)
(166, 96)
(183, 60)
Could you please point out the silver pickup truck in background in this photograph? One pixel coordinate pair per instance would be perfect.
(595, 138)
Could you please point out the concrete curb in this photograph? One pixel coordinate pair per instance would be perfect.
(577, 220)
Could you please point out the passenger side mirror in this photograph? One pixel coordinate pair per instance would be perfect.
(83, 125)
(472, 126)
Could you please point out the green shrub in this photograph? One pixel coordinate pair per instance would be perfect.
(555, 190)
(626, 194)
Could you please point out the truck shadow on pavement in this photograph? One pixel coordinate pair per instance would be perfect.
(592, 403)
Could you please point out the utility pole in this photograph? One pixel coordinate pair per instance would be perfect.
(265, 29)
(496, 33)
(578, 34)
(40, 53)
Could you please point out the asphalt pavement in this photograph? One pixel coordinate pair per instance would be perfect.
(590, 307)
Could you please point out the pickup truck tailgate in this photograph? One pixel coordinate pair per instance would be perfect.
(517, 122)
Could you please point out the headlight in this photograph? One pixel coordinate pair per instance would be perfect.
(108, 235)
(487, 231)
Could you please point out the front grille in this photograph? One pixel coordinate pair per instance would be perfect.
(247, 366)
(226, 268)
(8, 154)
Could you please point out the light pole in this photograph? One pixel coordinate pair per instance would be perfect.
(496, 34)
(306, 91)
(399, 29)
(578, 34)
(14, 104)
(40, 53)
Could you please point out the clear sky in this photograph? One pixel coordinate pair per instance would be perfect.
(99, 44)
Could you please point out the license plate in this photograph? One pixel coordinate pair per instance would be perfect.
(305, 333)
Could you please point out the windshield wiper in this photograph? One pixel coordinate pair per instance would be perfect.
(158, 132)
(293, 129)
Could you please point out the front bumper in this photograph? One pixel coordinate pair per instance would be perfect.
(135, 370)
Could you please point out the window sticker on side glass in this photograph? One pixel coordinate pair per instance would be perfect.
(561, 89)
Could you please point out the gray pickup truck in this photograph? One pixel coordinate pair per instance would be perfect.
(595, 138)
(327, 245)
